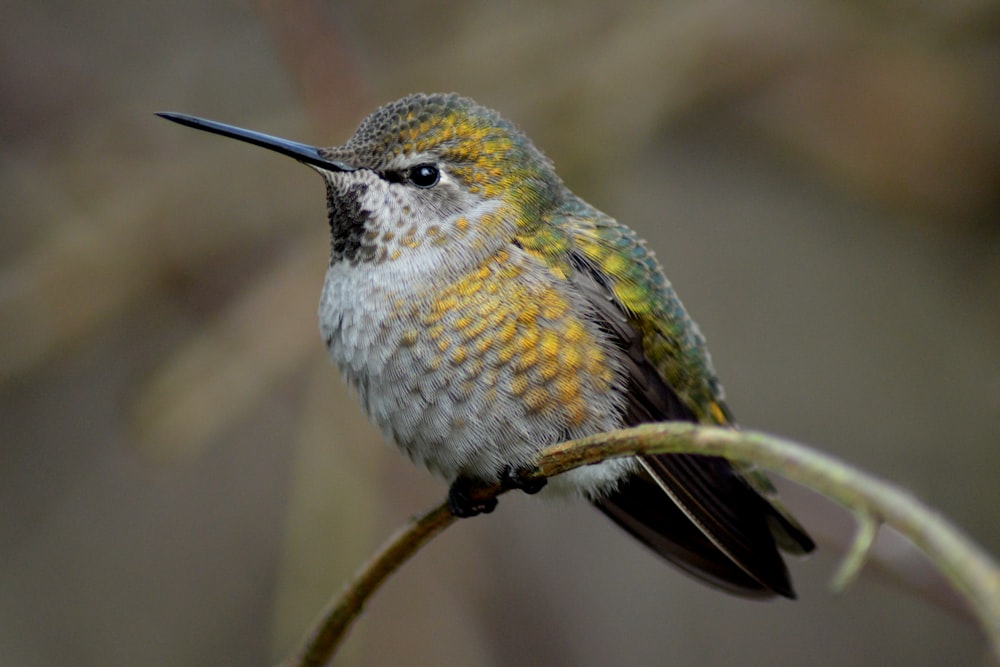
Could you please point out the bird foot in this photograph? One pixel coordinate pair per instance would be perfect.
(469, 497)
(526, 479)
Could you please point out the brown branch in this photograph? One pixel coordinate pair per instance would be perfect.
(974, 575)
(325, 636)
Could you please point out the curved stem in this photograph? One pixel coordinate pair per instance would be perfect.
(969, 569)
(856, 556)
(874, 501)
(329, 630)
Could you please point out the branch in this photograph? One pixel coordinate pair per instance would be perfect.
(325, 636)
(968, 568)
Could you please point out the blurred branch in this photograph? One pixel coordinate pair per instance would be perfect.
(309, 38)
(221, 372)
(873, 501)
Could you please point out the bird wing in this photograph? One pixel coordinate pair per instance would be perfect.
(697, 511)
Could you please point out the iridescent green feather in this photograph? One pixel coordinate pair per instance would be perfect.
(671, 340)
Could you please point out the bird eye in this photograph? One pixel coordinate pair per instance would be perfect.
(424, 175)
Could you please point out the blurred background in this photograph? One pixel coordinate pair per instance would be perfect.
(185, 481)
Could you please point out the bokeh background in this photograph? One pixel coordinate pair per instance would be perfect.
(185, 481)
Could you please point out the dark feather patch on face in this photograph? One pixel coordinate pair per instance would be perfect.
(347, 220)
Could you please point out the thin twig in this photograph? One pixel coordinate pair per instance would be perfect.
(969, 569)
(856, 556)
(325, 636)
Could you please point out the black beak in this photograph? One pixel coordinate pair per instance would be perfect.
(302, 152)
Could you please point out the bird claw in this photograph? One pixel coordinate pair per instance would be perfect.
(526, 479)
(468, 497)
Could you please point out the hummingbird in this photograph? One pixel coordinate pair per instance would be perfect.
(481, 311)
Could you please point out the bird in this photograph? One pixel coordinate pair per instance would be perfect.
(482, 311)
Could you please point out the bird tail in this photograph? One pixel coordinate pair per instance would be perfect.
(702, 516)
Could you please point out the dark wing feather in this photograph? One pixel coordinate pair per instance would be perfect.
(639, 506)
(694, 510)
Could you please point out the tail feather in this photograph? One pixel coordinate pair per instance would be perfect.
(640, 507)
(703, 517)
